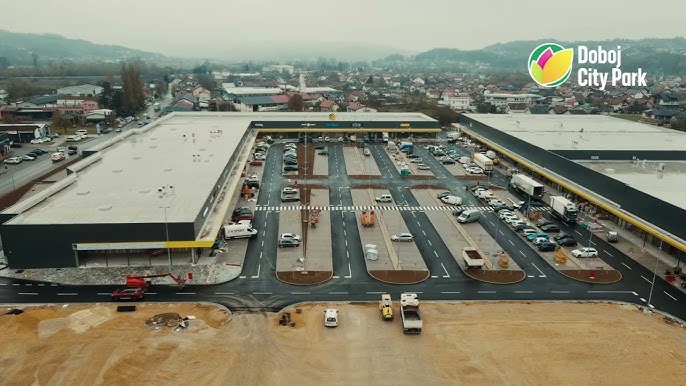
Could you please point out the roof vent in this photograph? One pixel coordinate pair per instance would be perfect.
(83, 193)
(105, 208)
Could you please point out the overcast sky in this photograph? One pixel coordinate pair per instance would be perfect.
(192, 28)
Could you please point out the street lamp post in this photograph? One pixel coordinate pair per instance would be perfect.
(165, 193)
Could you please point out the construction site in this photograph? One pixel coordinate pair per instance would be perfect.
(174, 344)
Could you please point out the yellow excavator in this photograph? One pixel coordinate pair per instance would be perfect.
(386, 307)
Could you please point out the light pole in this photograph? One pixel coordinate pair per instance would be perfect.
(165, 193)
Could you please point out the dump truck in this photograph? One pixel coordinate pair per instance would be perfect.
(483, 162)
(386, 307)
(368, 218)
(527, 185)
(472, 257)
(563, 208)
(409, 311)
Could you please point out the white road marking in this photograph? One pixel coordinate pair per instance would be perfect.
(336, 277)
(67, 294)
(559, 292)
(643, 300)
(350, 272)
(28, 285)
(612, 292)
(260, 255)
(651, 306)
(263, 233)
(577, 232)
(429, 241)
(262, 240)
(486, 292)
(436, 253)
(510, 241)
(185, 293)
(338, 293)
(16, 283)
(53, 285)
(492, 223)
(41, 285)
(345, 233)
(242, 277)
(610, 254)
(261, 293)
(542, 274)
(524, 292)
(450, 292)
(346, 242)
(374, 292)
(259, 266)
(27, 293)
(646, 279)
(151, 293)
(424, 232)
(347, 254)
(300, 293)
(445, 270)
(104, 293)
(666, 293)
(223, 293)
(501, 232)
(522, 253)
(434, 277)
(626, 265)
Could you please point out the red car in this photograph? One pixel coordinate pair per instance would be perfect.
(128, 293)
(256, 163)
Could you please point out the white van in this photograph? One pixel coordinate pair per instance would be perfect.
(239, 230)
(82, 133)
(384, 198)
(452, 200)
(469, 215)
(331, 317)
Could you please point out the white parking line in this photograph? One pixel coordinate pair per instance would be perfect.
(450, 292)
(510, 241)
(524, 292)
(626, 265)
(559, 292)
(646, 279)
(67, 294)
(577, 232)
(610, 254)
(27, 293)
(673, 298)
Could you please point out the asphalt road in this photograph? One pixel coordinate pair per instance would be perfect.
(258, 289)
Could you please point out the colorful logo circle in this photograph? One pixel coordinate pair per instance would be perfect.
(332, 117)
(550, 64)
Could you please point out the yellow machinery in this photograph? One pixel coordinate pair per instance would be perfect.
(386, 307)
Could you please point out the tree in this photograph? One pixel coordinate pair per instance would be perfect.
(34, 57)
(110, 98)
(370, 80)
(133, 97)
(445, 116)
(4, 63)
(207, 81)
(295, 103)
(59, 121)
(485, 107)
(226, 106)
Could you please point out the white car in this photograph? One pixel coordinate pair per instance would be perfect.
(416, 160)
(402, 237)
(585, 252)
(475, 170)
(289, 190)
(518, 222)
(260, 157)
(511, 219)
(423, 167)
(529, 231)
(27, 158)
(291, 236)
(539, 240)
(36, 141)
(505, 213)
(13, 160)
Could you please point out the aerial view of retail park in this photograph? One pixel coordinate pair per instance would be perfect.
(396, 221)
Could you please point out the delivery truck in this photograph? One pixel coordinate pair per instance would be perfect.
(409, 311)
(239, 230)
(483, 162)
(563, 209)
(527, 186)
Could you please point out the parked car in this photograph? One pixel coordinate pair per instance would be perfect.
(546, 246)
(15, 145)
(39, 151)
(539, 240)
(532, 237)
(458, 212)
(566, 242)
(544, 222)
(413, 156)
(423, 167)
(291, 236)
(27, 157)
(134, 293)
(550, 228)
(475, 170)
(255, 163)
(402, 237)
(320, 147)
(323, 152)
(416, 160)
(529, 231)
(443, 194)
(585, 252)
(448, 161)
(288, 243)
(13, 160)
(290, 162)
(290, 168)
(259, 157)
(561, 235)
(289, 190)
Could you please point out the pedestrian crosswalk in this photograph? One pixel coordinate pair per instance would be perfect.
(360, 208)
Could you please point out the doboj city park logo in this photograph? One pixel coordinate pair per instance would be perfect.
(550, 65)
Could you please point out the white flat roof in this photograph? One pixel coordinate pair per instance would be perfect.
(584, 132)
(188, 151)
(229, 88)
(123, 186)
(668, 186)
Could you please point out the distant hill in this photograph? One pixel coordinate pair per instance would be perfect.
(17, 48)
(657, 56)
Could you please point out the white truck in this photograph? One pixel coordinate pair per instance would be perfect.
(451, 200)
(472, 257)
(238, 230)
(156, 106)
(527, 185)
(409, 311)
(563, 208)
(483, 162)
(453, 136)
(385, 137)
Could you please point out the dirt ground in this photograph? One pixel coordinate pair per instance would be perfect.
(462, 343)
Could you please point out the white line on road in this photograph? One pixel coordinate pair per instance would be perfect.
(350, 272)
(445, 270)
(223, 293)
(450, 292)
(501, 232)
(347, 254)
(436, 253)
(53, 285)
(424, 232)
(262, 240)
(522, 253)
(336, 277)
(486, 292)
(524, 292)
(185, 293)
(643, 300)
(413, 215)
(3, 283)
(559, 292)
(261, 293)
(242, 277)
(610, 254)
(259, 266)
(300, 293)
(434, 277)
(27, 293)
(151, 293)
(343, 221)
(418, 223)
(346, 242)
(577, 232)
(260, 255)
(374, 292)
(67, 294)
(626, 265)
(345, 233)
(104, 293)
(666, 293)
(510, 241)
(41, 285)
(492, 223)
(542, 274)
(429, 241)
(530, 276)
(611, 292)
(263, 233)
(16, 283)
(338, 293)
(651, 306)
(28, 285)
(646, 279)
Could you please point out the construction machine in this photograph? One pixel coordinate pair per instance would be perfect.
(137, 285)
(386, 307)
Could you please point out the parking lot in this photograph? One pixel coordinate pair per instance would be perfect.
(357, 164)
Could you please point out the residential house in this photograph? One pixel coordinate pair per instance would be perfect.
(328, 106)
(667, 99)
(202, 94)
(661, 113)
(516, 108)
(502, 100)
(456, 101)
(356, 107)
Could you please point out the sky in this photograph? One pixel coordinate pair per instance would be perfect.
(199, 28)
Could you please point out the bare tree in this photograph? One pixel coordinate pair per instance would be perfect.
(34, 57)
(295, 103)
